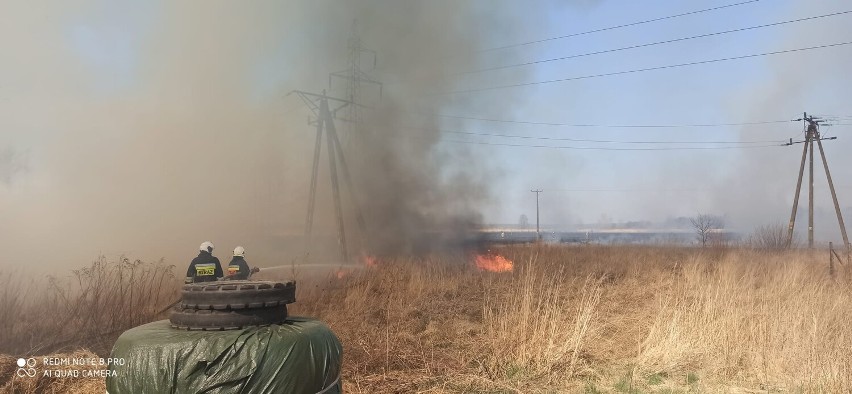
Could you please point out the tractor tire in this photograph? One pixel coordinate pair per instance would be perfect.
(213, 320)
(237, 295)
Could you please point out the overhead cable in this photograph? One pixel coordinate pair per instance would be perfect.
(594, 125)
(525, 84)
(653, 43)
(472, 133)
(618, 26)
(610, 149)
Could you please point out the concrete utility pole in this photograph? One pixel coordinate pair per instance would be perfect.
(537, 229)
(325, 117)
(318, 103)
(812, 135)
(811, 193)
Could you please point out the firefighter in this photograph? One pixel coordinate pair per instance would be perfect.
(238, 268)
(205, 267)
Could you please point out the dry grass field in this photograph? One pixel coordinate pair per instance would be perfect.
(87, 307)
(596, 319)
(593, 319)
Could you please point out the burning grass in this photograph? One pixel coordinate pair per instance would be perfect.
(493, 263)
(593, 319)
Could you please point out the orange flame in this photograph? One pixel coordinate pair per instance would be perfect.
(493, 263)
(369, 261)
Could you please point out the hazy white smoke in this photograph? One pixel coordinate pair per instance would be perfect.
(152, 128)
(761, 192)
(12, 164)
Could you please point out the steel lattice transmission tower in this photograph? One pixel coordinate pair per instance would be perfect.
(325, 117)
(355, 76)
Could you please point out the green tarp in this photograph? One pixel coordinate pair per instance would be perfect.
(300, 356)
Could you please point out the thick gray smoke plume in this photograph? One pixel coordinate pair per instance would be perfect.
(154, 127)
(410, 187)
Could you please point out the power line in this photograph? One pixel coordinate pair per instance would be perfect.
(617, 26)
(593, 147)
(591, 125)
(612, 149)
(592, 140)
(653, 43)
(653, 190)
(642, 69)
(640, 190)
(835, 119)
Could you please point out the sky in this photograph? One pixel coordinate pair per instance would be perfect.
(147, 128)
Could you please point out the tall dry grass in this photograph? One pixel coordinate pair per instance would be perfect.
(594, 319)
(89, 308)
(628, 319)
(778, 322)
(536, 328)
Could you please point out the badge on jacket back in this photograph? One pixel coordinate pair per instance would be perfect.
(207, 269)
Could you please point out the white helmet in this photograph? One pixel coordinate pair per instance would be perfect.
(240, 251)
(207, 246)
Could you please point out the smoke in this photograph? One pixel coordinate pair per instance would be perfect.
(410, 186)
(761, 191)
(416, 192)
(151, 128)
(142, 136)
(12, 164)
(147, 129)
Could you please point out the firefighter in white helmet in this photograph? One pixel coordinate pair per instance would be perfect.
(205, 267)
(238, 268)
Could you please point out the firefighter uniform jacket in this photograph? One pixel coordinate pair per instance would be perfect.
(204, 268)
(238, 268)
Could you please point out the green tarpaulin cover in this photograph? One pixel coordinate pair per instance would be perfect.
(300, 356)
